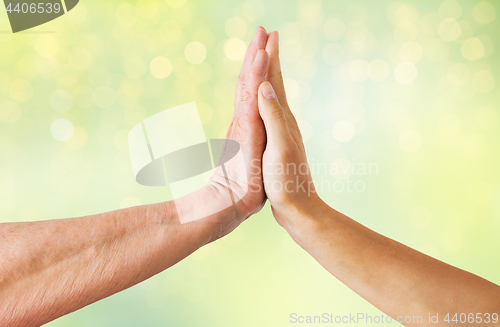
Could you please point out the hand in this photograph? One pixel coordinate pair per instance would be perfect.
(287, 179)
(242, 174)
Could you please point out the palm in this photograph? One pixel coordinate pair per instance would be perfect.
(242, 173)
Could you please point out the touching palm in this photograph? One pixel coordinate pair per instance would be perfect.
(243, 171)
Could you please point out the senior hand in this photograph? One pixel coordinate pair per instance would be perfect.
(54, 267)
(242, 173)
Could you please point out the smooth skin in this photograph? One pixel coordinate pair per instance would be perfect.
(398, 280)
(51, 268)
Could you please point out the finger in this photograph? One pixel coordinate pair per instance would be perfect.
(274, 72)
(274, 76)
(258, 42)
(272, 114)
(254, 78)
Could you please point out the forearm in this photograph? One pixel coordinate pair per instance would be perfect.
(396, 279)
(51, 268)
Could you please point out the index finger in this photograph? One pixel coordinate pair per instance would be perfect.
(259, 42)
(274, 75)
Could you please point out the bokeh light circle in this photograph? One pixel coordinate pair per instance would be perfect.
(405, 73)
(484, 12)
(195, 52)
(62, 130)
(343, 131)
(449, 30)
(160, 67)
(234, 49)
(472, 49)
(359, 70)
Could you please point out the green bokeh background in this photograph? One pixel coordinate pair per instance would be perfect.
(414, 85)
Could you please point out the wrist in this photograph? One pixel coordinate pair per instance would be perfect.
(305, 220)
(166, 216)
(208, 213)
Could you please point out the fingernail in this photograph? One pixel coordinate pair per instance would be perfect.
(267, 90)
(259, 54)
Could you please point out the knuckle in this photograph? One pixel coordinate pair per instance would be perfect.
(277, 114)
(254, 74)
(248, 109)
(241, 78)
(246, 94)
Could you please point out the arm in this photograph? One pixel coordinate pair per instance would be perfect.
(396, 279)
(51, 268)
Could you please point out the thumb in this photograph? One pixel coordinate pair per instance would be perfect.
(272, 113)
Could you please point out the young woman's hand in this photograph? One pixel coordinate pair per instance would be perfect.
(287, 179)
